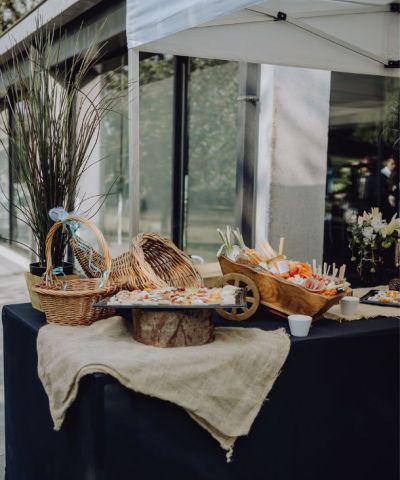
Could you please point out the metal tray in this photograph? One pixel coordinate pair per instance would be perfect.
(240, 303)
(365, 299)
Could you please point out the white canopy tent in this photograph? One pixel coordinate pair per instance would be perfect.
(360, 36)
(341, 35)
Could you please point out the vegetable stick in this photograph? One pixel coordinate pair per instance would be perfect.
(269, 251)
(281, 245)
(314, 266)
(341, 273)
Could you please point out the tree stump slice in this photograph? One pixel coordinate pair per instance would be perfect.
(167, 329)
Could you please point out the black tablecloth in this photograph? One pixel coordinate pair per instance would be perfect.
(332, 415)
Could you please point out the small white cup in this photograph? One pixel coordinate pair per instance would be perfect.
(349, 305)
(299, 325)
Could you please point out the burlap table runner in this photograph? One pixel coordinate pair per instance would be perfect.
(364, 310)
(222, 385)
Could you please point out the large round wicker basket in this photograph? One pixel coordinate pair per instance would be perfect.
(71, 302)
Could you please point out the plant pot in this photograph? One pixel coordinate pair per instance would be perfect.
(38, 269)
(34, 277)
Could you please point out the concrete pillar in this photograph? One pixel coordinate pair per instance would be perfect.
(291, 171)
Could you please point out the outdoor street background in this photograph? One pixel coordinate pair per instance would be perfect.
(12, 290)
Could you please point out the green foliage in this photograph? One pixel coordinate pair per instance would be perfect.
(13, 10)
(213, 133)
(388, 128)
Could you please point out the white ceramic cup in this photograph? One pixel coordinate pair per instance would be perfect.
(349, 305)
(299, 325)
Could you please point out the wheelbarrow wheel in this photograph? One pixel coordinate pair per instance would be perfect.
(252, 296)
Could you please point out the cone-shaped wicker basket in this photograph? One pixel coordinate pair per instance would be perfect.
(71, 302)
(152, 262)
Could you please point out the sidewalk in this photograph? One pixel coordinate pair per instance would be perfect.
(12, 290)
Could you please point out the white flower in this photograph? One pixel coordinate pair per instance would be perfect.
(393, 225)
(350, 216)
(368, 232)
(377, 223)
(375, 213)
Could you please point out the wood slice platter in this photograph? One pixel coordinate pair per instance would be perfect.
(166, 329)
(172, 325)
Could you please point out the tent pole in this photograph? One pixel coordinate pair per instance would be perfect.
(133, 134)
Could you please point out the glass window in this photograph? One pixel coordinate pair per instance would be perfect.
(213, 91)
(156, 122)
(114, 166)
(363, 154)
(22, 233)
(4, 178)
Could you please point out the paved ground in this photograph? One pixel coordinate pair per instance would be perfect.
(12, 290)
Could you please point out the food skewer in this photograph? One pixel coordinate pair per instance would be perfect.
(341, 273)
(281, 245)
(335, 270)
(328, 270)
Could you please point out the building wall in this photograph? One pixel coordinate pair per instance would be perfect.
(293, 142)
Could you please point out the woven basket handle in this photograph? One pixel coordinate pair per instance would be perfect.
(102, 242)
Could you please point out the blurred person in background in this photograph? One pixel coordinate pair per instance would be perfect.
(381, 189)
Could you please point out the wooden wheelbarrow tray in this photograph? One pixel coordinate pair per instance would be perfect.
(279, 295)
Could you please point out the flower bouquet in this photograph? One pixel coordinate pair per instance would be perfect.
(370, 235)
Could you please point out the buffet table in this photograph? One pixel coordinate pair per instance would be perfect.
(332, 414)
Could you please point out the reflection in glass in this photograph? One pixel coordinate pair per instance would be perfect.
(4, 179)
(213, 91)
(363, 155)
(114, 166)
(156, 103)
(22, 232)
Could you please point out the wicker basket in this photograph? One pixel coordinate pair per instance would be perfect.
(153, 262)
(71, 303)
(168, 262)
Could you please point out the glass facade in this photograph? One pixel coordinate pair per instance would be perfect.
(114, 167)
(212, 137)
(4, 178)
(156, 123)
(21, 231)
(213, 118)
(363, 155)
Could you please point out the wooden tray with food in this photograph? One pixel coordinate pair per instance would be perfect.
(177, 298)
(285, 287)
(383, 298)
(173, 316)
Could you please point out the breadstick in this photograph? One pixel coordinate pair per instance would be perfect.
(314, 266)
(281, 245)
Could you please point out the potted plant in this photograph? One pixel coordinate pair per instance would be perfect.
(370, 236)
(48, 152)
